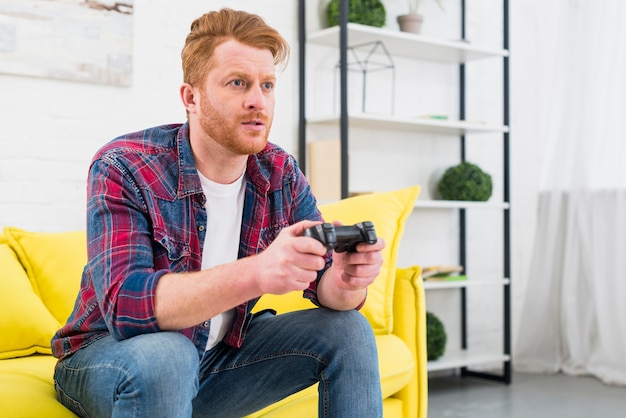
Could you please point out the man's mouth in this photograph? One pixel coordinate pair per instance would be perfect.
(254, 124)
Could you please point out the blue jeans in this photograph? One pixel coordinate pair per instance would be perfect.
(160, 374)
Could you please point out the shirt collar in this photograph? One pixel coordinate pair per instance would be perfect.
(188, 179)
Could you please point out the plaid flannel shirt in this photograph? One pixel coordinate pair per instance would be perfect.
(146, 217)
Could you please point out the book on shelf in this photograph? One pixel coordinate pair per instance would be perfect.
(324, 172)
(448, 278)
(439, 271)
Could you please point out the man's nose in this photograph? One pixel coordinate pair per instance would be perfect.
(256, 98)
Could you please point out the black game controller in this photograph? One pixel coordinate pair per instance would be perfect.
(343, 238)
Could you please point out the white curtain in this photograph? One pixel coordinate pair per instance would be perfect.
(573, 318)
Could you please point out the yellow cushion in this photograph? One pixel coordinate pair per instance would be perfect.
(27, 390)
(410, 325)
(54, 263)
(304, 405)
(388, 211)
(26, 326)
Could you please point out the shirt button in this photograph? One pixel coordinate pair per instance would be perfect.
(205, 324)
(201, 228)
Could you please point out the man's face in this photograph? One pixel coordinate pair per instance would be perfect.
(237, 102)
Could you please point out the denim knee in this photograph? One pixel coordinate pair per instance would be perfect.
(347, 330)
(165, 358)
(152, 375)
(350, 384)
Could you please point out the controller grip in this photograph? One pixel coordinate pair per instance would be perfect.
(343, 238)
(324, 233)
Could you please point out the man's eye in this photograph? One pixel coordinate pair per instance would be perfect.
(268, 86)
(237, 83)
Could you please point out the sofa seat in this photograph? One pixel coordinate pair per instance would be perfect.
(27, 390)
(27, 383)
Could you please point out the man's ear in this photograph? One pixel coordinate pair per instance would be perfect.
(189, 97)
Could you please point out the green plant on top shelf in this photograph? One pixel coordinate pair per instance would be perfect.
(365, 12)
(467, 182)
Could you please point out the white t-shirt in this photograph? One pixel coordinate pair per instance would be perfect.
(224, 208)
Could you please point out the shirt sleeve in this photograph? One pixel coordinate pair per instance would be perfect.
(120, 252)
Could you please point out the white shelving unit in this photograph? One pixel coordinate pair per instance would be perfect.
(433, 285)
(451, 52)
(441, 127)
(458, 204)
(407, 44)
(466, 358)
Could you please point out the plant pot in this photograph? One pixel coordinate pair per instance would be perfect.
(410, 23)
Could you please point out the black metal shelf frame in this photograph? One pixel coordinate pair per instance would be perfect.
(505, 377)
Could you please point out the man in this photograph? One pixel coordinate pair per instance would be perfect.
(188, 225)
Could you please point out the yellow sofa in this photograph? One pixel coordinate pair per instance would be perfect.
(40, 274)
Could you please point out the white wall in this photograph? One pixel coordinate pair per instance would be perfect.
(50, 129)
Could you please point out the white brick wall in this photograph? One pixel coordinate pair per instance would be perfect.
(49, 129)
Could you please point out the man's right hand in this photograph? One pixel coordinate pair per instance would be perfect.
(291, 262)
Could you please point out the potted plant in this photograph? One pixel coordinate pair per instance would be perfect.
(435, 337)
(365, 12)
(465, 181)
(412, 22)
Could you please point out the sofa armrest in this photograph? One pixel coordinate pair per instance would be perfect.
(409, 323)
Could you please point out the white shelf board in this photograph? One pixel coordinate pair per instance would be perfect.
(435, 126)
(465, 358)
(459, 204)
(407, 44)
(432, 285)
(444, 204)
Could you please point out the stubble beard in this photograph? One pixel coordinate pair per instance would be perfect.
(223, 130)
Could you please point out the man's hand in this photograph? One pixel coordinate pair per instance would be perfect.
(344, 285)
(291, 261)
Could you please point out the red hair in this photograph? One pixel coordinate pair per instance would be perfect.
(213, 28)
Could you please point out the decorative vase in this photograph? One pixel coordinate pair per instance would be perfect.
(410, 23)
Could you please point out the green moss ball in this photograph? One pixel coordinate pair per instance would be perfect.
(435, 337)
(465, 181)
